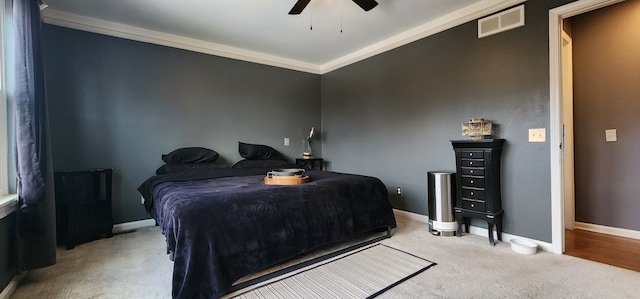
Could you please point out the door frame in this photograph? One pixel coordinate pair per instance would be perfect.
(568, 161)
(556, 16)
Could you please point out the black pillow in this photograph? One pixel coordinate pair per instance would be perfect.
(191, 155)
(258, 152)
(179, 167)
(263, 164)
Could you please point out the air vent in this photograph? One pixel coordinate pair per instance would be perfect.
(502, 21)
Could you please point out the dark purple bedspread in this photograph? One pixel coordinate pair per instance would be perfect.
(221, 229)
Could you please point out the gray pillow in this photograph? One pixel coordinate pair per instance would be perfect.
(191, 155)
(258, 152)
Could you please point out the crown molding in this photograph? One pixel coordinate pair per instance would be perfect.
(469, 13)
(74, 21)
(459, 17)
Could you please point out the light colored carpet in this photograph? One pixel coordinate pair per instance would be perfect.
(361, 273)
(130, 265)
(135, 265)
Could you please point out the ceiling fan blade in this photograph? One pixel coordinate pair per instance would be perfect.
(299, 7)
(367, 5)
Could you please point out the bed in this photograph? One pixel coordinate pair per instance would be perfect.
(223, 223)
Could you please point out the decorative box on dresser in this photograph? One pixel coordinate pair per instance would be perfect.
(83, 206)
(478, 174)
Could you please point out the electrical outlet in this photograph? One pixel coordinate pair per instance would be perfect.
(399, 190)
(537, 135)
(286, 141)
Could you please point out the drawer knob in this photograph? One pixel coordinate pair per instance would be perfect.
(470, 163)
(473, 205)
(470, 154)
(471, 192)
(471, 181)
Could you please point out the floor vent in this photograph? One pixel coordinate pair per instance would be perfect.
(502, 21)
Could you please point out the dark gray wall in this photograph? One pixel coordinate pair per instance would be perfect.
(606, 44)
(121, 104)
(393, 115)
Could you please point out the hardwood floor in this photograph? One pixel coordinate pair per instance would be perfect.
(613, 250)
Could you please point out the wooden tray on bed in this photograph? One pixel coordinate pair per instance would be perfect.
(286, 180)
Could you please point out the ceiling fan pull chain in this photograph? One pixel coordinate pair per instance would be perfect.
(310, 21)
(340, 16)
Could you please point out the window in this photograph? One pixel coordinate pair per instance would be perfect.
(8, 202)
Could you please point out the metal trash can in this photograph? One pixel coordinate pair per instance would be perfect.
(441, 197)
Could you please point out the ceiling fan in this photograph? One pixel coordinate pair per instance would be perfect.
(367, 5)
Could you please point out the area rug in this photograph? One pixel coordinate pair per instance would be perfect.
(363, 273)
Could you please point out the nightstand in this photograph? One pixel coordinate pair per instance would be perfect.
(310, 163)
(83, 206)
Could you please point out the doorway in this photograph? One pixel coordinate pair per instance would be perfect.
(562, 203)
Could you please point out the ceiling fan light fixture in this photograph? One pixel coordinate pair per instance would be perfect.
(297, 8)
(367, 5)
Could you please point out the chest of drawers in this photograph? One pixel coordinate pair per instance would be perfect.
(478, 174)
(83, 206)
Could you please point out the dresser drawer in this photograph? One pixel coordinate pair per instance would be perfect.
(472, 193)
(472, 182)
(90, 220)
(473, 205)
(472, 171)
(471, 163)
(471, 154)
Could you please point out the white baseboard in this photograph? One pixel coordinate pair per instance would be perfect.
(545, 246)
(12, 286)
(129, 226)
(620, 232)
(412, 216)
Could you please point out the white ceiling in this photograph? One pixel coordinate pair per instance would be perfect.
(262, 31)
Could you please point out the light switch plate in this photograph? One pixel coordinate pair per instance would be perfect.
(610, 135)
(537, 135)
